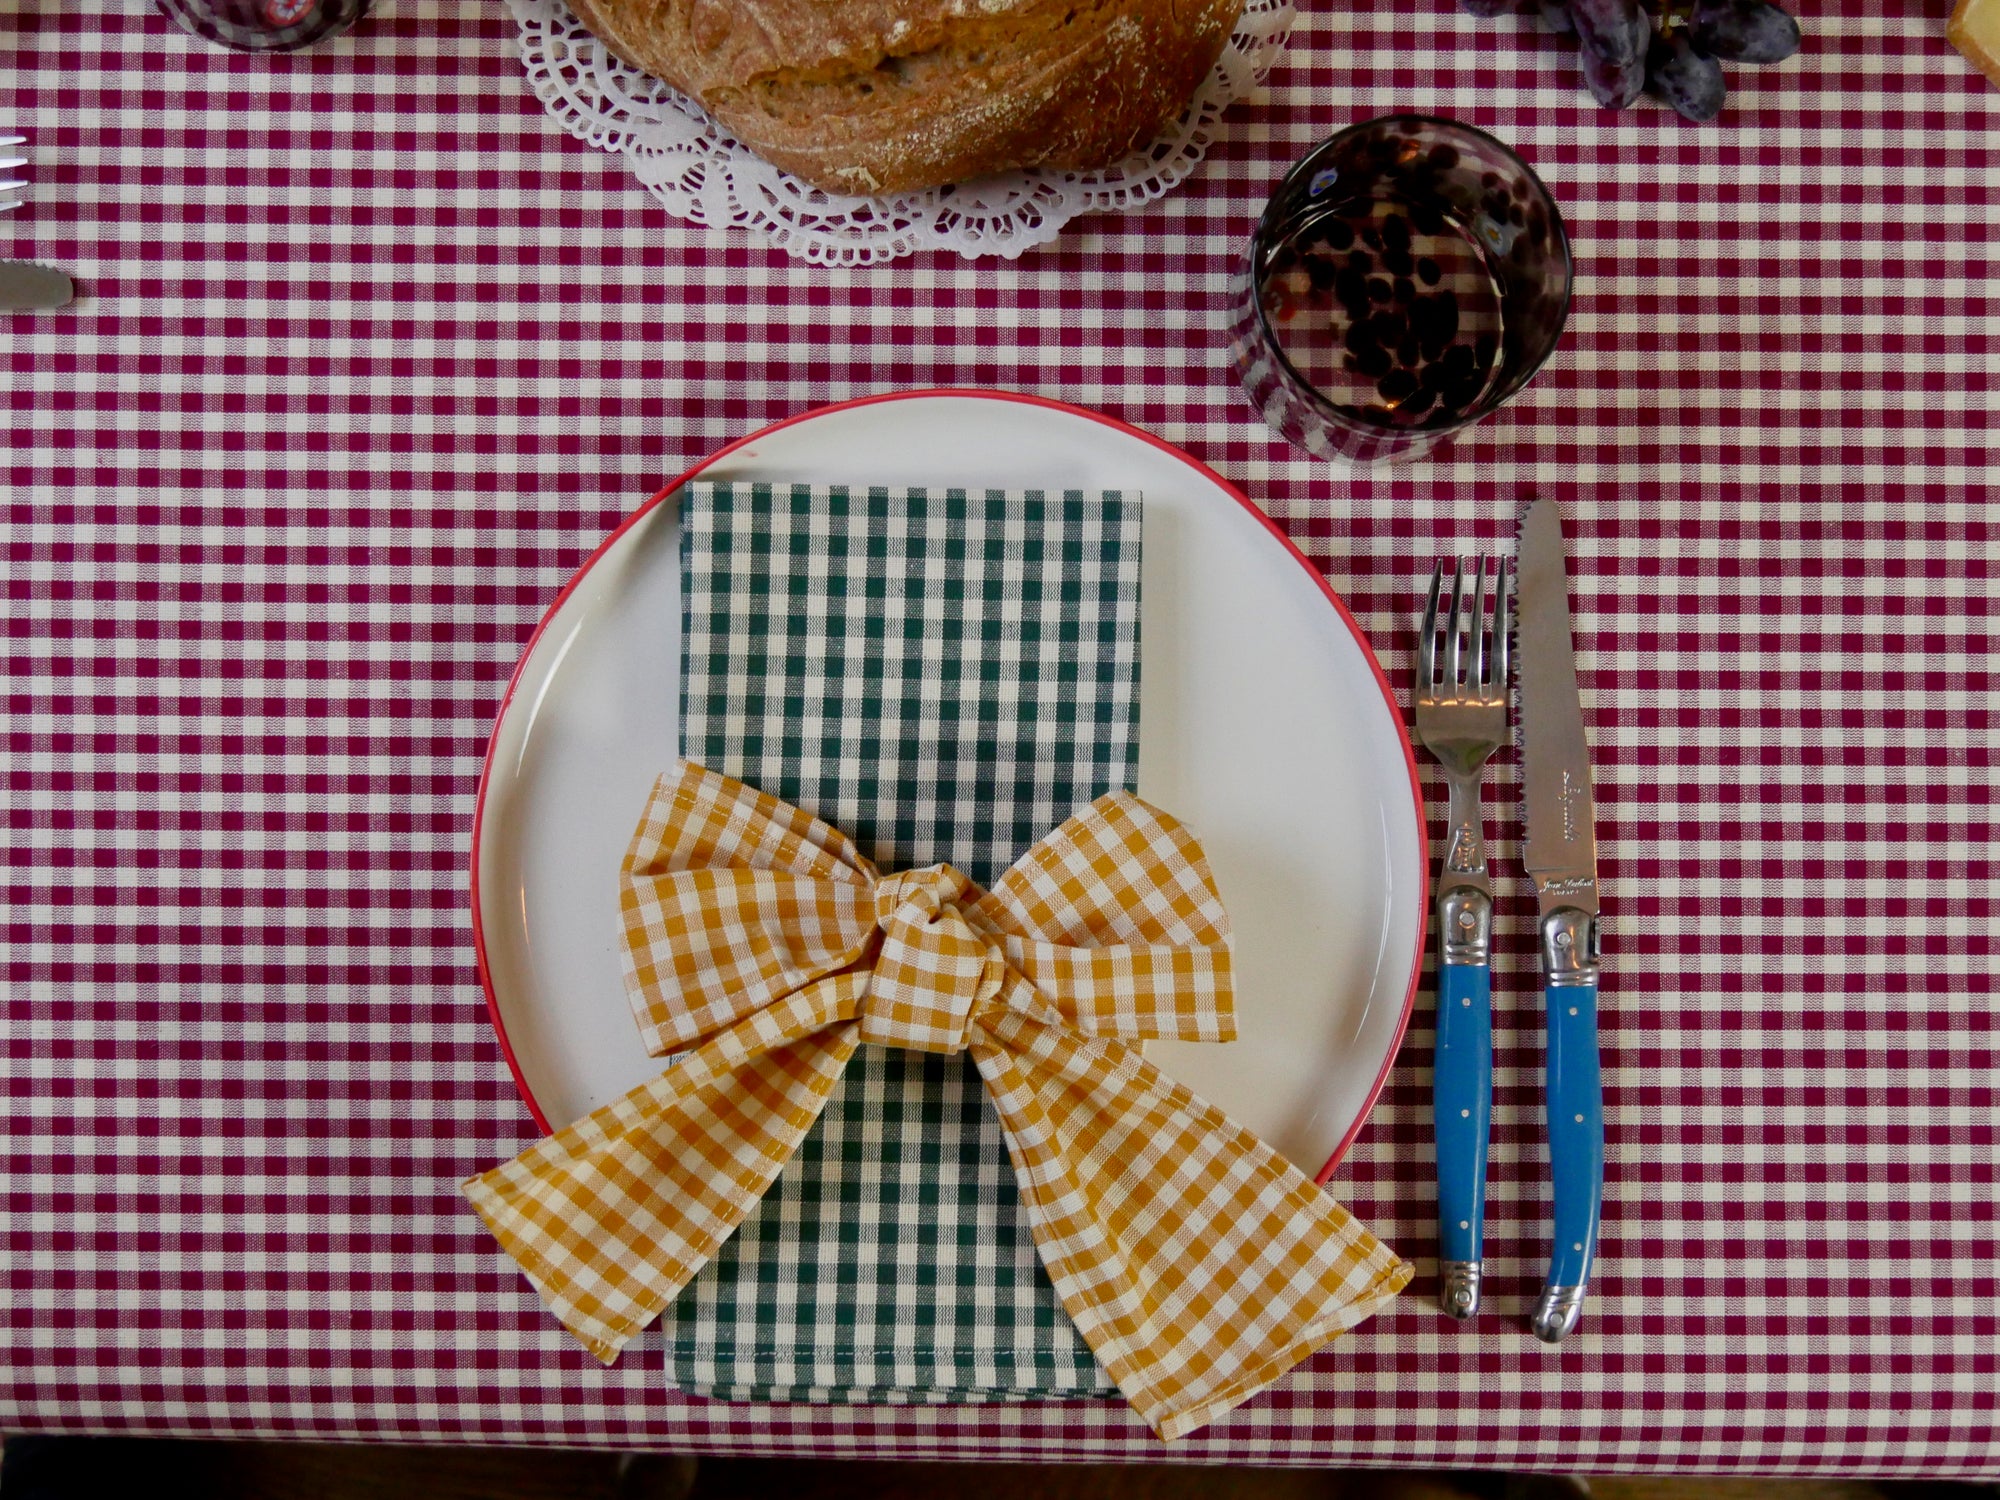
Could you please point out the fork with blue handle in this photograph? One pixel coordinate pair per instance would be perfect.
(1461, 717)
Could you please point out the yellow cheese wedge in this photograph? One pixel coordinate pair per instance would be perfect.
(1975, 31)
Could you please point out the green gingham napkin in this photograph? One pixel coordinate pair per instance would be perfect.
(942, 675)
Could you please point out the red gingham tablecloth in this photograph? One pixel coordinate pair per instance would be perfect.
(368, 356)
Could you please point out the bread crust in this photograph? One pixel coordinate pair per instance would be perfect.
(1974, 29)
(867, 97)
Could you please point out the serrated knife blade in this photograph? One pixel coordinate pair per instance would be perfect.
(1560, 855)
(1560, 852)
(25, 287)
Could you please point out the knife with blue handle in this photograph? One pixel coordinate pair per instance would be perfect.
(1560, 856)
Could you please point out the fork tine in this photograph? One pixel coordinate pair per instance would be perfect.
(1503, 632)
(1427, 652)
(1454, 665)
(1476, 677)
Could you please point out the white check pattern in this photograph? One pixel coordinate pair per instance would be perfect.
(368, 356)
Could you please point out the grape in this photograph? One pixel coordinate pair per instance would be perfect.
(1622, 57)
(1614, 85)
(1616, 30)
(1687, 79)
(1751, 31)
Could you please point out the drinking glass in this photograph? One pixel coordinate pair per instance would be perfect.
(1407, 277)
(264, 25)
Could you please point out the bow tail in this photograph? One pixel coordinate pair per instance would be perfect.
(613, 1216)
(1197, 1263)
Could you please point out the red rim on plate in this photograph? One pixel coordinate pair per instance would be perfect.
(1340, 608)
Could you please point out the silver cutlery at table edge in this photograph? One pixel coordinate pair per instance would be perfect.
(1461, 715)
(12, 189)
(25, 287)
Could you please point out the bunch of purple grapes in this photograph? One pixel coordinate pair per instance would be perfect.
(1675, 47)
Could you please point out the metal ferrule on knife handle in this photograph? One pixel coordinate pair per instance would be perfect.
(1569, 946)
(1462, 1076)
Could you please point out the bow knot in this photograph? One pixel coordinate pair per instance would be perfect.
(933, 970)
(1197, 1263)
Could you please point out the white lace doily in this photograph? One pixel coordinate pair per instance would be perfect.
(703, 175)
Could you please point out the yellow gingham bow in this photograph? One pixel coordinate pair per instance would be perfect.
(1197, 1263)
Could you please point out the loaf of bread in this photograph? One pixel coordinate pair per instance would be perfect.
(865, 97)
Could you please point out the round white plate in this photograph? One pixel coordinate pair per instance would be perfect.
(1265, 725)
